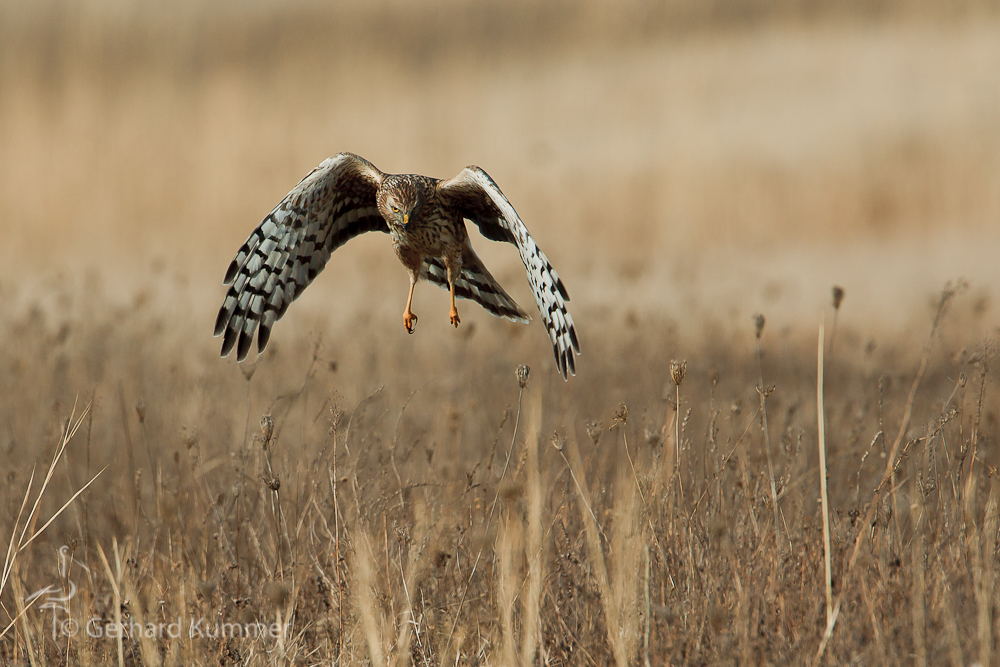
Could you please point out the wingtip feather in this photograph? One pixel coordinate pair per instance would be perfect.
(231, 272)
(243, 348)
(262, 337)
(229, 341)
(221, 321)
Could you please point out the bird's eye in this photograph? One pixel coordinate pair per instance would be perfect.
(395, 209)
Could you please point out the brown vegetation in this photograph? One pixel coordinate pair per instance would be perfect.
(390, 498)
(439, 519)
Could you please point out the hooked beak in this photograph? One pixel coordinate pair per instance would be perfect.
(406, 220)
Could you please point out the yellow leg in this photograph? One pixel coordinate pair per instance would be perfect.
(409, 319)
(453, 314)
(454, 311)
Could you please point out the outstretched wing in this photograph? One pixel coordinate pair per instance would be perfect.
(475, 196)
(334, 203)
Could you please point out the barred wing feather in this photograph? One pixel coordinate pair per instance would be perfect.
(334, 203)
(474, 194)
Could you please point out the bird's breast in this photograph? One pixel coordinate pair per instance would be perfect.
(431, 234)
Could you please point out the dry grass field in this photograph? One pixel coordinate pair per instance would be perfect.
(359, 496)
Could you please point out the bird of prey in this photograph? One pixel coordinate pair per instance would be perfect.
(425, 217)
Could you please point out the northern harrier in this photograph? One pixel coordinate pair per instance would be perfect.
(345, 196)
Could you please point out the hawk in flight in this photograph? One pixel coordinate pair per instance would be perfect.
(347, 195)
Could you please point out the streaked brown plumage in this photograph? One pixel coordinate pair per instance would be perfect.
(346, 196)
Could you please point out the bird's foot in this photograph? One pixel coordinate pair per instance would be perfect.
(454, 316)
(409, 321)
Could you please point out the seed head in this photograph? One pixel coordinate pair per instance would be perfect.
(523, 371)
(272, 483)
(559, 441)
(267, 428)
(758, 324)
(621, 416)
(677, 370)
(336, 414)
(838, 296)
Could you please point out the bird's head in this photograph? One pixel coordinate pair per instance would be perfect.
(397, 200)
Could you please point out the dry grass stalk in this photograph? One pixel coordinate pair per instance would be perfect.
(148, 649)
(764, 392)
(373, 620)
(725, 462)
(522, 373)
(28, 533)
(697, 586)
(536, 552)
(982, 569)
(823, 494)
(647, 610)
(595, 555)
(919, 588)
(621, 418)
(416, 563)
(30, 642)
(628, 542)
(115, 580)
(946, 296)
(508, 552)
(677, 371)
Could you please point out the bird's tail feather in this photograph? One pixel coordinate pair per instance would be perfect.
(476, 284)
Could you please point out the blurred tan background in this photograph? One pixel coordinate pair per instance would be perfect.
(695, 161)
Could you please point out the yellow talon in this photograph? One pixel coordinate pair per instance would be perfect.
(409, 321)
